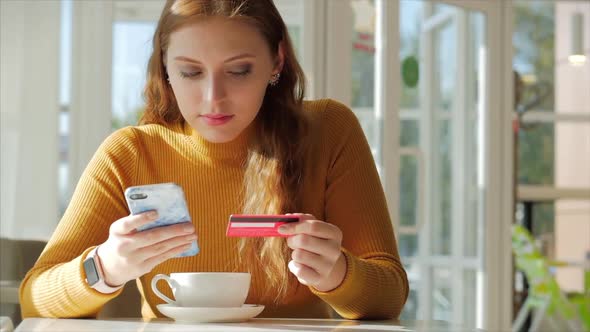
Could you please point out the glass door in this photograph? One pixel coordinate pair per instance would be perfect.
(445, 158)
(438, 151)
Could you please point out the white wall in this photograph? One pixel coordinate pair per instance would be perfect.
(29, 69)
(572, 145)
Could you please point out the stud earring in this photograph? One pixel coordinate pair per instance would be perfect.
(275, 79)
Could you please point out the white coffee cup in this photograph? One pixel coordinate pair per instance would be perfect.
(205, 289)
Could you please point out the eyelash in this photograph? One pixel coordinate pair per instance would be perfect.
(188, 75)
(241, 73)
(195, 74)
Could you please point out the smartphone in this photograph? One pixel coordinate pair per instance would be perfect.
(168, 200)
(257, 225)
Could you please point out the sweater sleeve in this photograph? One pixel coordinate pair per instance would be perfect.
(375, 285)
(55, 286)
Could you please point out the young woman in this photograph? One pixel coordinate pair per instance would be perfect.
(225, 120)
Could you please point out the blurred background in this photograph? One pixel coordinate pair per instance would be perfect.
(477, 113)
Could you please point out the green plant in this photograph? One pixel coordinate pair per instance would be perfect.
(544, 292)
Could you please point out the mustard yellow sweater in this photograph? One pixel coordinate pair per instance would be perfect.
(342, 187)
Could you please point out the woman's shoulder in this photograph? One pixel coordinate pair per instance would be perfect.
(156, 129)
(331, 115)
(150, 131)
(131, 137)
(119, 138)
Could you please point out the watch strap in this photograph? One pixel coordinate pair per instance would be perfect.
(100, 285)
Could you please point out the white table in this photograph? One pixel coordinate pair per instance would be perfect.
(256, 324)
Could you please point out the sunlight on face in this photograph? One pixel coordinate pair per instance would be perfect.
(219, 70)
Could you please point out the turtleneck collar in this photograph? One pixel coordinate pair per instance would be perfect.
(237, 149)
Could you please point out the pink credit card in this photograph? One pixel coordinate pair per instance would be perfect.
(257, 225)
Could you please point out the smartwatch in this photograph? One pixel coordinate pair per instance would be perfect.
(94, 274)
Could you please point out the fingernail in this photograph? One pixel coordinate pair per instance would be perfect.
(153, 215)
(188, 228)
(283, 230)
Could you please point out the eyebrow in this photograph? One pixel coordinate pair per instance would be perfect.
(236, 57)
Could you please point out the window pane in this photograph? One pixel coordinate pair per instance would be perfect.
(132, 46)
(473, 205)
(63, 161)
(410, 19)
(536, 151)
(469, 298)
(295, 35)
(542, 219)
(363, 53)
(408, 245)
(410, 311)
(65, 85)
(409, 133)
(534, 49)
(445, 42)
(442, 308)
(363, 72)
(292, 13)
(441, 224)
(442, 8)
(371, 128)
(408, 195)
(65, 59)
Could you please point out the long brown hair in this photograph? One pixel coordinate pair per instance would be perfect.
(274, 167)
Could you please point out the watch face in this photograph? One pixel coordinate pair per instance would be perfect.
(91, 273)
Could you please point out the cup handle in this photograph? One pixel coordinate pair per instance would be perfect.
(170, 282)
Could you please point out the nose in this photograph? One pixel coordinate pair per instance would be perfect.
(215, 89)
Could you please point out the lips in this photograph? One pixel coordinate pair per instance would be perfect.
(216, 115)
(216, 119)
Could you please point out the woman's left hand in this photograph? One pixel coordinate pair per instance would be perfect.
(317, 259)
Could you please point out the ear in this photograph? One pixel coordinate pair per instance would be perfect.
(280, 60)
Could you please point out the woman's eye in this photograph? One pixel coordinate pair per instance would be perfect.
(241, 72)
(189, 74)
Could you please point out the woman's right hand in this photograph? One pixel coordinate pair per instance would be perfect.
(128, 254)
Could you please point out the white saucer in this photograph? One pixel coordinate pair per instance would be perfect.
(210, 314)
